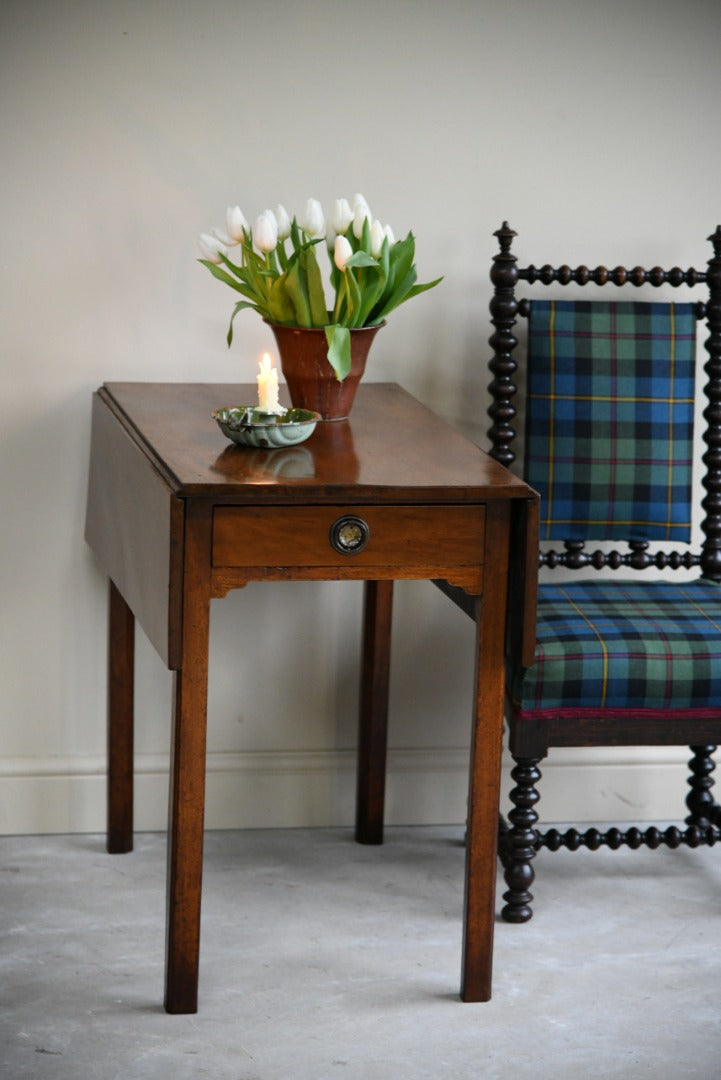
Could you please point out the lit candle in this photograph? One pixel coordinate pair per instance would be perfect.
(268, 387)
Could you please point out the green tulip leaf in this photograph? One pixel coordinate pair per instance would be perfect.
(280, 305)
(421, 288)
(238, 271)
(338, 338)
(362, 258)
(334, 271)
(405, 290)
(295, 235)
(296, 289)
(282, 255)
(353, 297)
(402, 255)
(365, 240)
(221, 275)
(238, 307)
(314, 286)
(385, 258)
(371, 287)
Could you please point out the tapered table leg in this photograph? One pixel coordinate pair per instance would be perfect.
(373, 724)
(121, 675)
(187, 773)
(485, 770)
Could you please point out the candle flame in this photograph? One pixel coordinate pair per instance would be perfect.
(265, 364)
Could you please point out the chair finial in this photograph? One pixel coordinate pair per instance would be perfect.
(715, 239)
(505, 236)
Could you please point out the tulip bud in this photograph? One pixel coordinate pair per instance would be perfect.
(281, 216)
(377, 237)
(265, 233)
(236, 223)
(342, 251)
(211, 248)
(342, 215)
(360, 200)
(359, 218)
(312, 221)
(389, 233)
(222, 237)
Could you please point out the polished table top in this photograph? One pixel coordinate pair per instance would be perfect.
(392, 448)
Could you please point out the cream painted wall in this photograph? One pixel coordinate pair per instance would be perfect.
(126, 130)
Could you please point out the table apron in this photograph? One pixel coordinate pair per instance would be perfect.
(283, 543)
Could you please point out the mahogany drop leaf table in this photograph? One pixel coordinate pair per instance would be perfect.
(176, 516)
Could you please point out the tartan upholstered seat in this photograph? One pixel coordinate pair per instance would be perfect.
(612, 648)
(610, 392)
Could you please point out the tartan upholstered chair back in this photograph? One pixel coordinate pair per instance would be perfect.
(610, 388)
(609, 419)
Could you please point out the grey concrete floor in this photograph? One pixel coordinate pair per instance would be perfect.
(323, 960)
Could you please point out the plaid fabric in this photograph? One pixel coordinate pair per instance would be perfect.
(609, 419)
(647, 648)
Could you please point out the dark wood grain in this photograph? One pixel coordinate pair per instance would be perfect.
(121, 681)
(485, 768)
(186, 809)
(134, 526)
(373, 723)
(277, 543)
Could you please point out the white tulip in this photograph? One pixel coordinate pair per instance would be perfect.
(389, 233)
(281, 216)
(236, 223)
(377, 237)
(342, 215)
(342, 251)
(211, 248)
(312, 221)
(359, 219)
(360, 200)
(265, 233)
(222, 237)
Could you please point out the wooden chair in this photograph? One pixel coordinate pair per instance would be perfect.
(609, 436)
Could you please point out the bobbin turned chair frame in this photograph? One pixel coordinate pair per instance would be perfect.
(530, 740)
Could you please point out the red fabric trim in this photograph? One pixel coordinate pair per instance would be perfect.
(617, 714)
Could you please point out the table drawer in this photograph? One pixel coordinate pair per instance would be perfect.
(361, 536)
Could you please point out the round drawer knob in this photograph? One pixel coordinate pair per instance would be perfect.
(349, 534)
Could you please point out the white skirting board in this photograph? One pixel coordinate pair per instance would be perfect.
(317, 788)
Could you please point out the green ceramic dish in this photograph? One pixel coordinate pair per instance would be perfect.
(247, 425)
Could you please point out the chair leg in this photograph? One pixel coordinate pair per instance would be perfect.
(700, 802)
(520, 841)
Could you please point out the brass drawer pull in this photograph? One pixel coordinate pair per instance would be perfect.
(349, 534)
